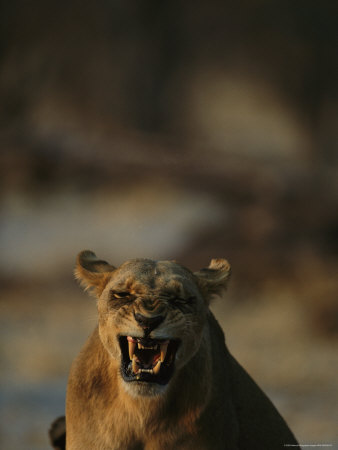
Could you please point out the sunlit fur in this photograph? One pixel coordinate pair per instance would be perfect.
(209, 403)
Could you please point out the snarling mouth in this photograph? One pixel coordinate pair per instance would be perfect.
(145, 359)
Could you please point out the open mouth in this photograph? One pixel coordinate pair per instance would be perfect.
(145, 359)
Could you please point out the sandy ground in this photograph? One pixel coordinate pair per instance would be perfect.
(43, 328)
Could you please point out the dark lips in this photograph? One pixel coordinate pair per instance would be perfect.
(148, 360)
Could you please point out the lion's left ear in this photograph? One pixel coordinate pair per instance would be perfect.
(213, 280)
(92, 272)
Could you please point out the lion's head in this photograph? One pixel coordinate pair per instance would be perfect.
(152, 315)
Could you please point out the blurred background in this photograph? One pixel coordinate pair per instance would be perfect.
(173, 130)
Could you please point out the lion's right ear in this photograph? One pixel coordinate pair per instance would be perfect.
(92, 272)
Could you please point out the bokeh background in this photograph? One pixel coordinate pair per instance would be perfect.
(175, 130)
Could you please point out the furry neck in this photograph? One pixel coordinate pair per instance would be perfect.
(183, 401)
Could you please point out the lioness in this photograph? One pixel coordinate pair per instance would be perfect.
(156, 374)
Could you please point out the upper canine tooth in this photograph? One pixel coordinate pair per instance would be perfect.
(131, 348)
(139, 346)
(134, 365)
(164, 348)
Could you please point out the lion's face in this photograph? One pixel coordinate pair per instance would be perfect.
(151, 317)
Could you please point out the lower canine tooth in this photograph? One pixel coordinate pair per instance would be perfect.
(157, 368)
(164, 348)
(131, 348)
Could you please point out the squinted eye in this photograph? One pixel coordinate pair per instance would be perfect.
(186, 300)
(184, 304)
(120, 294)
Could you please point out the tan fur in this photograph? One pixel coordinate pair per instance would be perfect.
(209, 403)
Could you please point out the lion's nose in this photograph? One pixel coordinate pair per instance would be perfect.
(148, 323)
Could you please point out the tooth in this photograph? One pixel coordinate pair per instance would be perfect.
(131, 348)
(139, 346)
(134, 365)
(146, 370)
(157, 368)
(164, 348)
